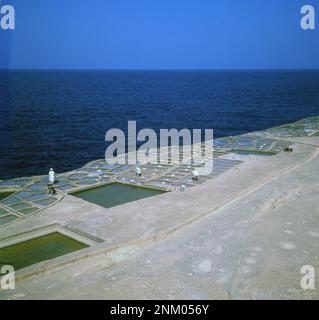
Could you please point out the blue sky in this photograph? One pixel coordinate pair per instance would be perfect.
(159, 34)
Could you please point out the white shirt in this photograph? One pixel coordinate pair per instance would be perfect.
(51, 176)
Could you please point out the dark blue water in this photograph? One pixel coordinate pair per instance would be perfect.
(59, 118)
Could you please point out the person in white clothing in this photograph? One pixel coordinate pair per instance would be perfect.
(51, 182)
(51, 176)
(195, 175)
(138, 171)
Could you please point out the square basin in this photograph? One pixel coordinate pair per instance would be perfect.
(4, 195)
(115, 194)
(254, 152)
(29, 252)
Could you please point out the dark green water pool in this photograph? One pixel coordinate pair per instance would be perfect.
(254, 152)
(4, 195)
(115, 194)
(27, 253)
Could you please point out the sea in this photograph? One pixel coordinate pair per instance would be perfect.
(58, 118)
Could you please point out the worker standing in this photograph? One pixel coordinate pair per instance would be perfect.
(51, 182)
(138, 171)
(195, 175)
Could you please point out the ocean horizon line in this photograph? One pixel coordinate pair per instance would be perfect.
(164, 70)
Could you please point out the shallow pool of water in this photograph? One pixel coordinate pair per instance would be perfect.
(115, 194)
(253, 152)
(27, 253)
(3, 195)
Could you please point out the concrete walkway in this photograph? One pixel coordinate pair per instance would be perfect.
(245, 234)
